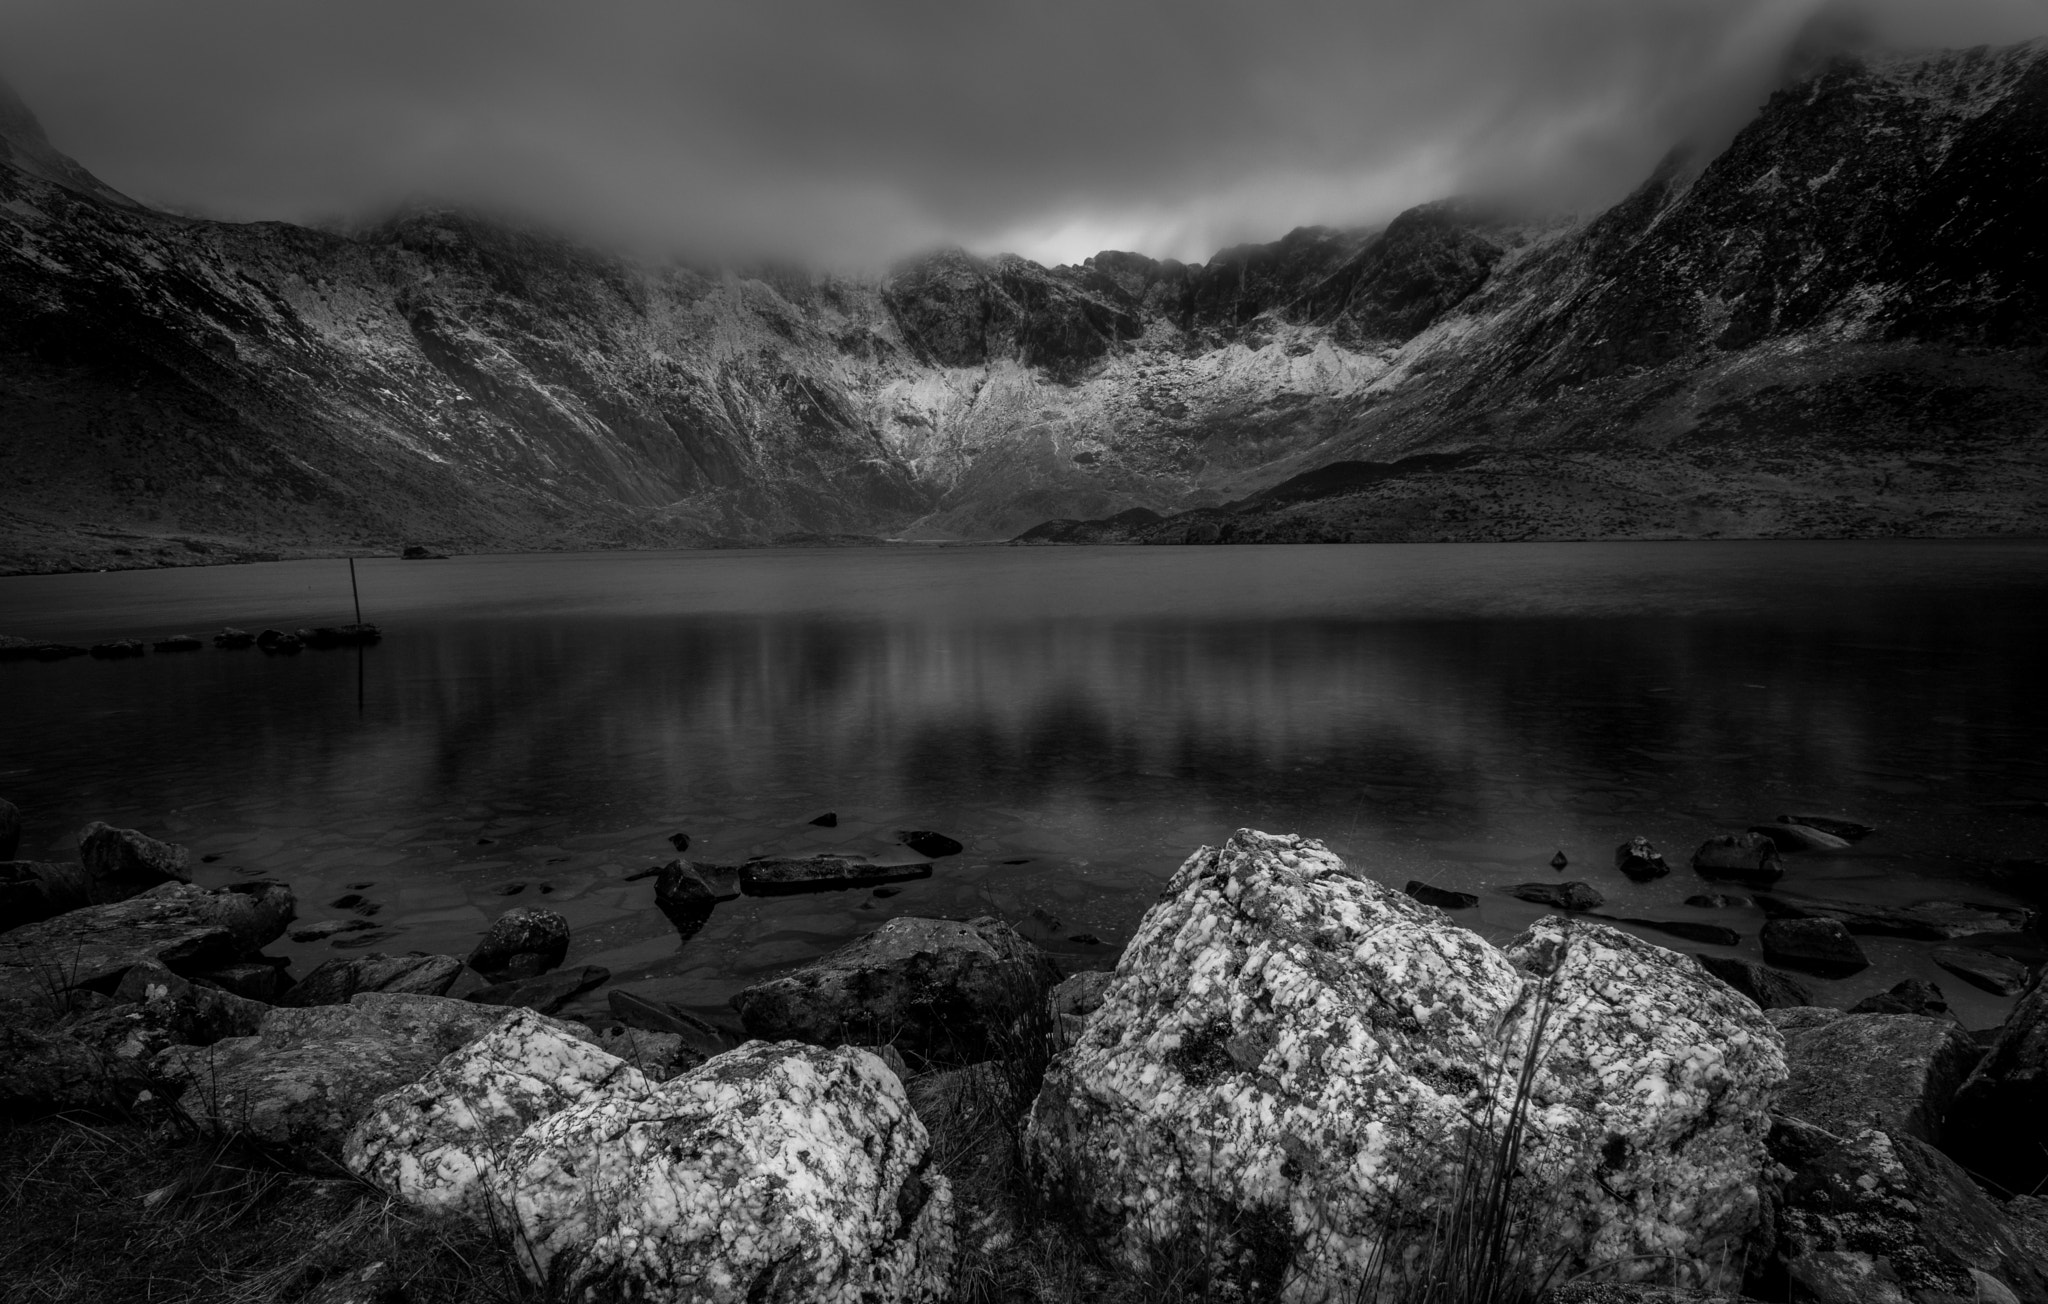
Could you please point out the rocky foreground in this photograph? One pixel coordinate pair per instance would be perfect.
(1797, 337)
(1292, 1082)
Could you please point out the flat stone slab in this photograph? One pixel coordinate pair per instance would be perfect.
(1982, 969)
(782, 875)
(1932, 921)
(186, 929)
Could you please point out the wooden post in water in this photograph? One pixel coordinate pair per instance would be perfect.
(353, 591)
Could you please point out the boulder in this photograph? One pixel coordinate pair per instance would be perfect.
(119, 863)
(1290, 1056)
(773, 1174)
(1875, 1218)
(115, 649)
(1899, 1072)
(1767, 987)
(1909, 996)
(934, 987)
(546, 992)
(1440, 897)
(522, 942)
(1819, 946)
(1999, 1126)
(1985, 970)
(927, 843)
(436, 1143)
(1794, 838)
(1640, 860)
(687, 893)
(334, 982)
(1742, 857)
(186, 929)
(307, 1075)
(1934, 921)
(1575, 896)
(179, 643)
(781, 875)
(230, 637)
(1073, 1002)
(10, 829)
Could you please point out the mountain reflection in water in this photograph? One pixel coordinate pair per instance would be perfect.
(544, 721)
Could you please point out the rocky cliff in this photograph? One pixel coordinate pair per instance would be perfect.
(1832, 327)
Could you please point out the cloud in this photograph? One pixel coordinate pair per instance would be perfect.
(850, 131)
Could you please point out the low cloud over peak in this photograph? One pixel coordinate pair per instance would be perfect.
(852, 134)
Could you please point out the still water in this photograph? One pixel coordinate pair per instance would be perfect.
(1080, 719)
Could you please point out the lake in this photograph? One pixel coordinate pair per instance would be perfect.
(1080, 718)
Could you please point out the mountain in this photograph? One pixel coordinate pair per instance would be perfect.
(1835, 326)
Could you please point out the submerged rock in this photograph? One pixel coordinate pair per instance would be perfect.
(1767, 987)
(520, 944)
(335, 982)
(1743, 857)
(1640, 860)
(1795, 838)
(1899, 1072)
(1283, 1068)
(1819, 946)
(1933, 921)
(1847, 830)
(774, 1174)
(1999, 1126)
(179, 643)
(930, 986)
(1573, 896)
(1442, 898)
(781, 875)
(436, 1143)
(927, 843)
(1985, 970)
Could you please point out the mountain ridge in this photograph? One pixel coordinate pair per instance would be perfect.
(1834, 326)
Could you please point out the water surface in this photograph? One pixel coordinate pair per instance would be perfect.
(1081, 719)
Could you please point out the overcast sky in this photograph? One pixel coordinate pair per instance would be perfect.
(845, 133)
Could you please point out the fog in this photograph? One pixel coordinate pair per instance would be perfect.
(849, 134)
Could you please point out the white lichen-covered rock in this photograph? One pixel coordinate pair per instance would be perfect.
(775, 1172)
(436, 1143)
(1289, 1056)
